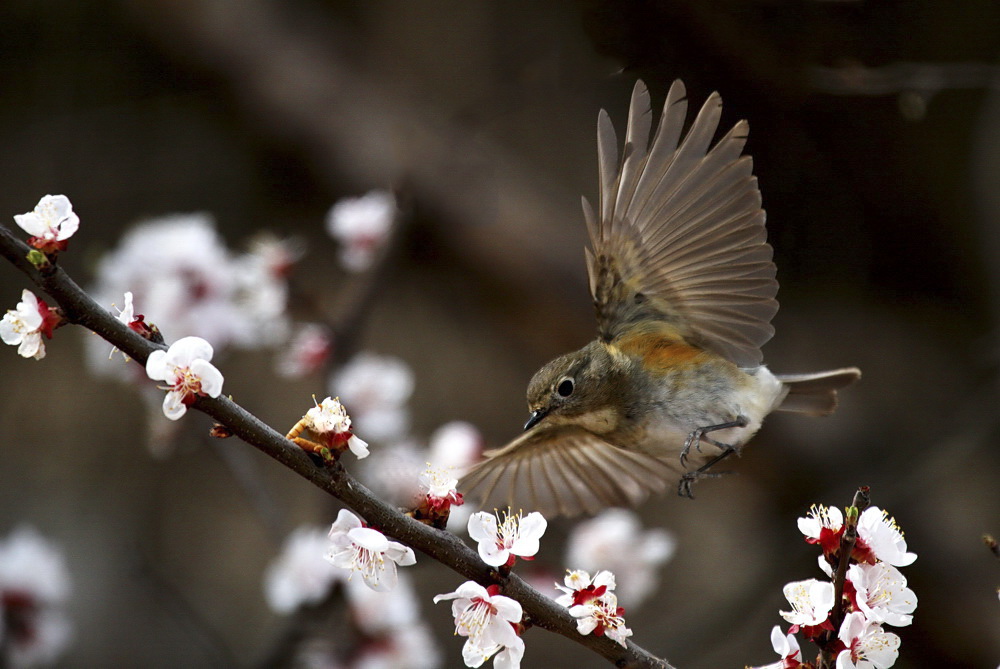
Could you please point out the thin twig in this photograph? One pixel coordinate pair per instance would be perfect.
(446, 548)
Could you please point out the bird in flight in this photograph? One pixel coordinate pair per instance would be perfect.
(684, 288)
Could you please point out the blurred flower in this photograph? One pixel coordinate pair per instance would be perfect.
(486, 618)
(329, 420)
(881, 593)
(34, 587)
(300, 575)
(377, 389)
(501, 542)
(409, 647)
(811, 602)
(24, 326)
(579, 588)
(51, 223)
(456, 445)
(190, 284)
(786, 646)
(307, 351)
(598, 544)
(882, 536)
(603, 617)
(361, 225)
(868, 647)
(188, 373)
(368, 551)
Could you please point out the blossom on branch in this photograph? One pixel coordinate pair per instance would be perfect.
(603, 617)
(329, 422)
(811, 602)
(366, 550)
(868, 646)
(579, 588)
(186, 369)
(884, 539)
(24, 326)
(502, 541)
(50, 224)
(881, 593)
(787, 648)
(487, 619)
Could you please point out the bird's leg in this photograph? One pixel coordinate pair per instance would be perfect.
(688, 478)
(699, 434)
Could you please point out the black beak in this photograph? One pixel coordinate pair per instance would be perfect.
(536, 417)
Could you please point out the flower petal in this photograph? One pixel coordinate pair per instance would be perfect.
(173, 405)
(211, 378)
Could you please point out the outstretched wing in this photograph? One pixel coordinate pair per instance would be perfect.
(564, 469)
(679, 236)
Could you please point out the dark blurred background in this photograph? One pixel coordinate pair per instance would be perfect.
(875, 130)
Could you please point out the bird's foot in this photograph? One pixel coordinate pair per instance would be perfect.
(688, 478)
(699, 434)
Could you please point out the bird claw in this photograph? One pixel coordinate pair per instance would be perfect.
(698, 435)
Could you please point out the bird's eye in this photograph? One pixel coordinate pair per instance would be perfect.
(565, 388)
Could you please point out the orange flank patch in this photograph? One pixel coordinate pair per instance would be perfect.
(659, 351)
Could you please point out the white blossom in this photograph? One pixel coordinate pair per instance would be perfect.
(602, 616)
(500, 540)
(186, 369)
(883, 536)
(882, 594)
(22, 327)
(811, 601)
(361, 226)
(368, 551)
(868, 647)
(329, 417)
(580, 587)
(484, 616)
(52, 220)
(787, 647)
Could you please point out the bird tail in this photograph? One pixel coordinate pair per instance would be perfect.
(815, 394)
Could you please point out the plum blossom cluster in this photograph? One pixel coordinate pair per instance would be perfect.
(378, 389)
(190, 284)
(362, 549)
(34, 588)
(25, 325)
(592, 601)
(388, 630)
(874, 592)
(361, 225)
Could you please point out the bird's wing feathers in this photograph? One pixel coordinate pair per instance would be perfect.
(564, 469)
(679, 232)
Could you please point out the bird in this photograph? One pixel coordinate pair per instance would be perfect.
(683, 284)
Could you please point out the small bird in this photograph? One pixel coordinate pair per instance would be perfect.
(684, 289)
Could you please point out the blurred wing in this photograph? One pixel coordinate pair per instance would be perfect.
(679, 236)
(564, 469)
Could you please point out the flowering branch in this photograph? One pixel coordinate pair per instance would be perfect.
(79, 308)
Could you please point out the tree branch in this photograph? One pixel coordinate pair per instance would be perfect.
(446, 548)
